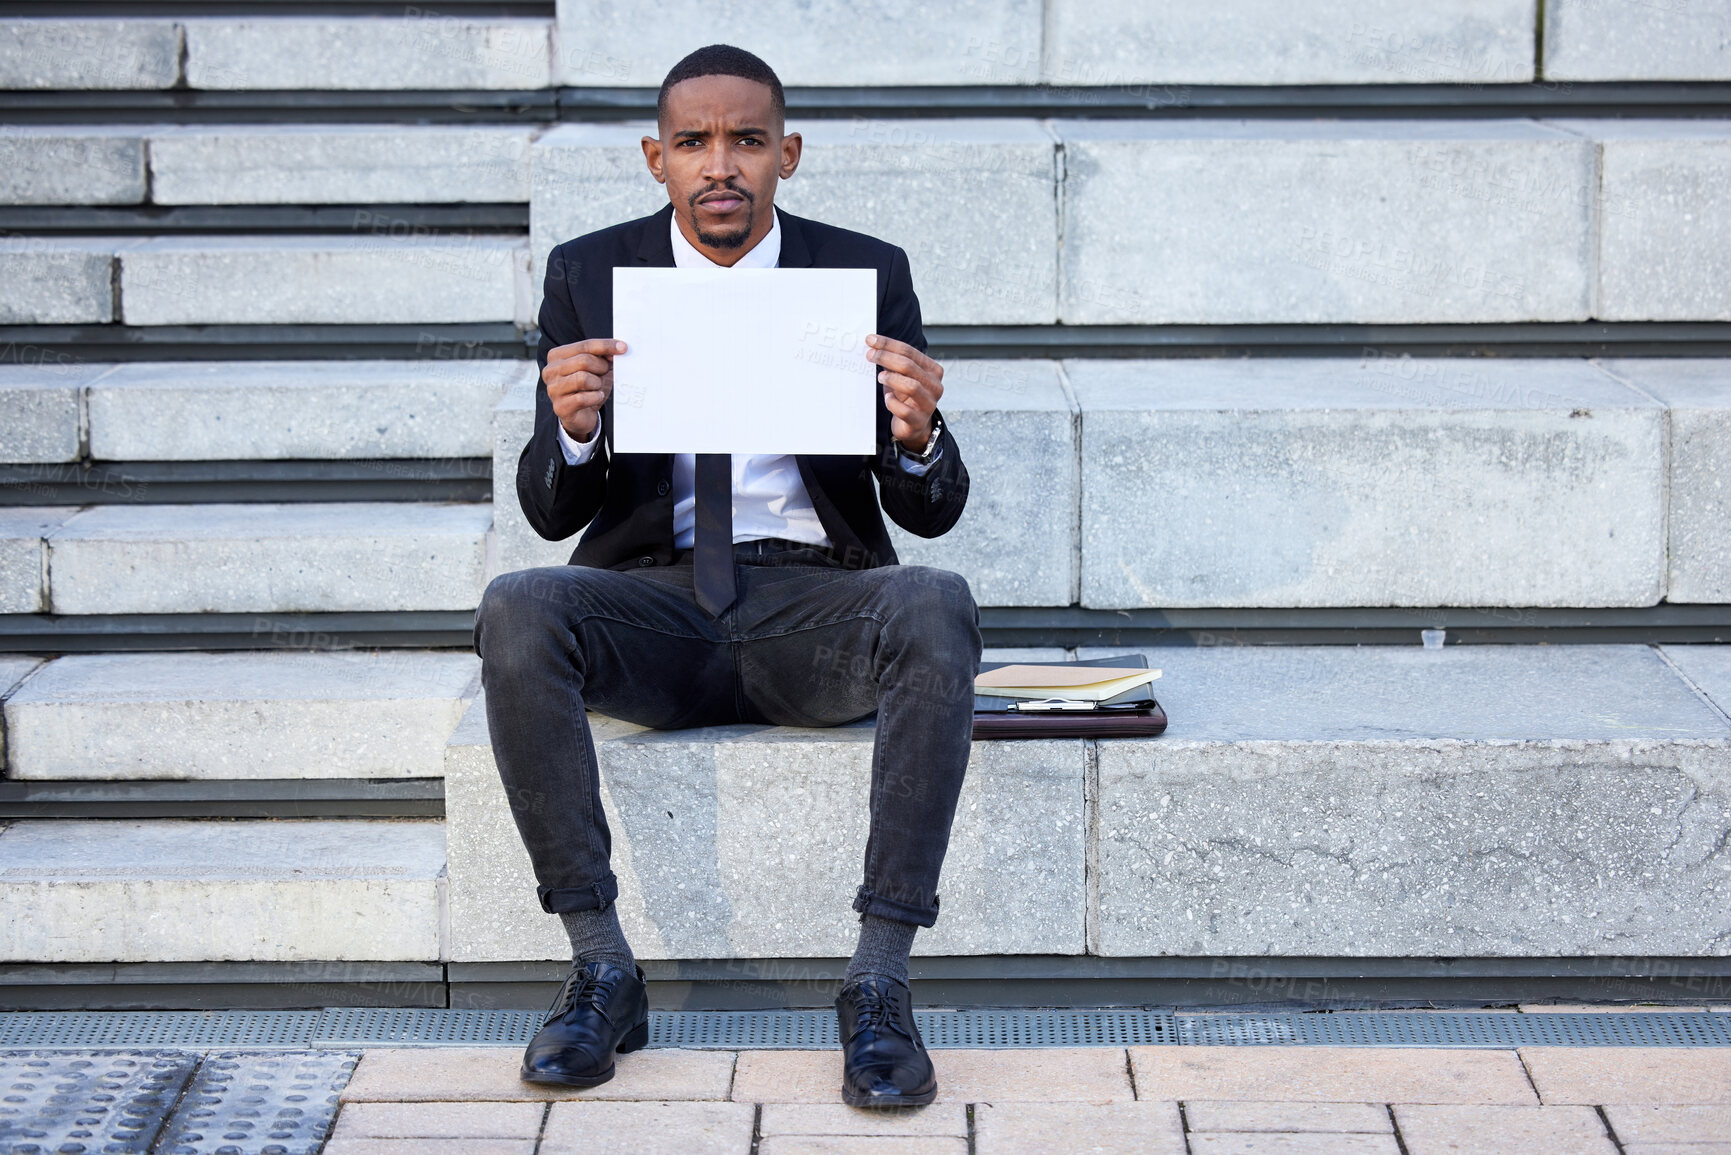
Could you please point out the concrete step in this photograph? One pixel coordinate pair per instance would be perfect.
(1314, 482)
(1284, 221)
(380, 275)
(990, 42)
(1381, 481)
(250, 410)
(383, 278)
(238, 715)
(267, 558)
(1353, 221)
(42, 410)
(1261, 221)
(59, 280)
(359, 164)
(1504, 801)
(422, 49)
(117, 890)
(58, 54)
(1697, 396)
(264, 164)
(762, 852)
(71, 164)
(13, 671)
(1661, 202)
(1592, 40)
(1359, 801)
(24, 534)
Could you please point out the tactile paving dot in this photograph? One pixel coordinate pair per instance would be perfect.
(259, 1103)
(87, 1102)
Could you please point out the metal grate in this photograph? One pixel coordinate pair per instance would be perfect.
(156, 1028)
(988, 1029)
(352, 1028)
(1458, 1029)
(360, 1026)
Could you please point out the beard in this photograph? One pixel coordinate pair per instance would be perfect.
(732, 239)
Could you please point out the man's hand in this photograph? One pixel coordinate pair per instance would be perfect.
(912, 383)
(579, 379)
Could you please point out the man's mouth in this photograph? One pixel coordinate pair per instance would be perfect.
(722, 202)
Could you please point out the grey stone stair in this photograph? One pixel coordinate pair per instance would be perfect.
(1159, 47)
(372, 276)
(238, 715)
(160, 411)
(24, 556)
(348, 280)
(271, 164)
(1372, 801)
(58, 280)
(1260, 221)
(265, 558)
(1315, 482)
(193, 411)
(120, 890)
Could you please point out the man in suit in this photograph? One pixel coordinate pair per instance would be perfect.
(710, 589)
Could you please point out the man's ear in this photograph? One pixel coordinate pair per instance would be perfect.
(652, 156)
(791, 144)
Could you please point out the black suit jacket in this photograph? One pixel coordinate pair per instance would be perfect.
(626, 499)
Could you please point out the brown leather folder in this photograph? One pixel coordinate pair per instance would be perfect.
(1132, 714)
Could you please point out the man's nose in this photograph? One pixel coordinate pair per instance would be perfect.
(718, 164)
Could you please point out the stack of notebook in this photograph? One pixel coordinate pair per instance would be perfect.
(1101, 697)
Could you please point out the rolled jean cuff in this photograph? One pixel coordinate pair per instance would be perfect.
(868, 903)
(569, 899)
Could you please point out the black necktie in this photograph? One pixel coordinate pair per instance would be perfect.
(713, 540)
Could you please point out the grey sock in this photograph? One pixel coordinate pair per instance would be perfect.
(595, 934)
(883, 949)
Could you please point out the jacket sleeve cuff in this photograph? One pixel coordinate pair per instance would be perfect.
(577, 452)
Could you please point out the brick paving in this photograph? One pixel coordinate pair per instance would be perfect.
(1243, 1100)
(1182, 1100)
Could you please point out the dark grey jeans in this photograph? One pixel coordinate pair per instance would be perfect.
(807, 643)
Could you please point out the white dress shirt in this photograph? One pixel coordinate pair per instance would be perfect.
(769, 497)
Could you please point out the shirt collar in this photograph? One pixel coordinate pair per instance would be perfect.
(766, 254)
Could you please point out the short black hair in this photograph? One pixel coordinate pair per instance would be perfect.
(722, 60)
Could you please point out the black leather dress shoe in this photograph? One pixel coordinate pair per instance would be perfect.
(884, 1060)
(601, 1010)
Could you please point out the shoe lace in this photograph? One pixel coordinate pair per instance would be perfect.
(583, 985)
(878, 1009)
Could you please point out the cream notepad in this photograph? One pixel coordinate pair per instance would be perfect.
(1076, 683)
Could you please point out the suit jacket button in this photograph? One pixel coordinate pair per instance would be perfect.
(662, 487)
(645, 561)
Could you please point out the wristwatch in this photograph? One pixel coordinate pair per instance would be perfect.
(924, 457)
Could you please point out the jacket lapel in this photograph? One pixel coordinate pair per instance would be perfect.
(795, 253)
(655, 247)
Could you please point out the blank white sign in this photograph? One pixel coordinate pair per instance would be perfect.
(744, 361)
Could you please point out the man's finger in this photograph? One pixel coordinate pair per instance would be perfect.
(580, 363)
(594, 346)
(882, 347)
(902, 363)
(581, 383)
(572, 402)
(900, 408)
(907, 388)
